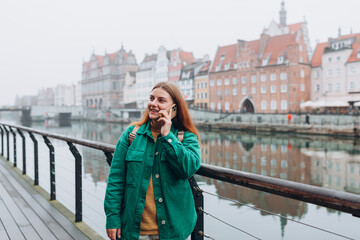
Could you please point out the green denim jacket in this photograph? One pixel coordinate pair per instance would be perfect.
(171, 163)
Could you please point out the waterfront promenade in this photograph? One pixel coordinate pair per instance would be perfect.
(27, 214)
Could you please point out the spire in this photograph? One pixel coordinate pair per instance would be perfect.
(339, 34)
(282, 14)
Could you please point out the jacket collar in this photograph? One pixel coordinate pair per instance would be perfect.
(145, 129)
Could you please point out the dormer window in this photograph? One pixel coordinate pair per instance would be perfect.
(280, 60)
(217, 68)
(227, 66)
(264, 62)
(235, 65)
(222, 57)
(358, 55)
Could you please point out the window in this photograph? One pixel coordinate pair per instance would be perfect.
(243, 79)
(222, 57)
(329, 59)
(253, 78)
(263, 89)
(338, 86)
(358, 55)
(263, 105)
(302, 73)
(273, 89)
(253, 90)
(273, 104)
(234, 91)
(300, 48)
(338, 72)
(212, 83)
(227, 92)
(227, 66)
(212, 106)
(219, 106)
(329, 87)
(217, 68)
(317, 74)
(352, 85)
(280, 60)
(219, 82)
(338, 58)
(272, 77)
(302, 87)
(263, 78)
(235, 65)
(317, 88)
(283, 76)
(227, 106)
(329, 72)
(300, 59)
(219, 92)
(283, 104)
(352, 70)
(205, 95)
(243, 90)
(234, 80)
(227, 81)
(283, 88)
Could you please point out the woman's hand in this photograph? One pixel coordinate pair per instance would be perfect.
(166, 122)
(113, 232)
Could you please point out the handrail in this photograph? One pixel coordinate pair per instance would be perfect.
(334, 199)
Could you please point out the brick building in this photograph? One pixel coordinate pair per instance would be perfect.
(103, 79)
(201, 91)
(267, 75)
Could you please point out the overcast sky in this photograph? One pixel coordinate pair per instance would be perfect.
(43, 42)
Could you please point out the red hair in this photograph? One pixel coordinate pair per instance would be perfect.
(182, 121)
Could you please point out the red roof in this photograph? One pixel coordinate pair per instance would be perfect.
(295, 27)
(317, 56)
(229, 56)
(276, 47)
(100, 60)
(186, 57)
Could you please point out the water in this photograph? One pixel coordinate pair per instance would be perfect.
(319, 161)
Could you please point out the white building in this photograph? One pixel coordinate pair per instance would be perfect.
(335, 74)
(162, 65)
(145, 80)
(130, 88)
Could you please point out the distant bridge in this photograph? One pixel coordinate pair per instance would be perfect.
(25, 112)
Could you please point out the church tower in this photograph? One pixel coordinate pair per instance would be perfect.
(282, 14)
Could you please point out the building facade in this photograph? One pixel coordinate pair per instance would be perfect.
(178, 59)
(335, 71)
(268, 75)
(145, 80)
(201, 91)
(186, 82)
(103, 79)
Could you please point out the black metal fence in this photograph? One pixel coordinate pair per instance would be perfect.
(341, 201)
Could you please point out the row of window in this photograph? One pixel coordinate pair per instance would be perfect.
(337, 72)
(337, 86)
(253, 78)
(264, 105)
(263, 90)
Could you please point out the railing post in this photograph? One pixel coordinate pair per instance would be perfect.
(14, 138)
(2, 141)
(23, 150)
(109, 157)
(78, 182)
(36, 159)
(197, 234)
(52, 168)
(8, 146)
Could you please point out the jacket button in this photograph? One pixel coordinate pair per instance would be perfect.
(156, 153)
(160, 199)
(169, 140)
(157, 175)
(163, 222)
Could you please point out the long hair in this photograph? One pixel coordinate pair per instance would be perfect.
(182, 121)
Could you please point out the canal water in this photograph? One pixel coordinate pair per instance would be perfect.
(320, 161)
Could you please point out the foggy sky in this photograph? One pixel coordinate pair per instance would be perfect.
(43, 43)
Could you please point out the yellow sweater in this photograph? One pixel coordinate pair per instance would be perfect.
(149, 224)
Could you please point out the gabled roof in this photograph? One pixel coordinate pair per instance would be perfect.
(187, 57)
(151, 57)
(277, 46)
(225, 55)
(320, 48)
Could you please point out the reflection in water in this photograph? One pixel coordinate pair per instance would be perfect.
(319, 161)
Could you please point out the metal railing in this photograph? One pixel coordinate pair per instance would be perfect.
(337, 200)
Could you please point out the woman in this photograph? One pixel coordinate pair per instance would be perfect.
(148, 195)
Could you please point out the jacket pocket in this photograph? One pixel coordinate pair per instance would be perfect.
(134, 160)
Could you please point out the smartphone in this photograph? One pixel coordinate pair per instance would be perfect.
(174, 110)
